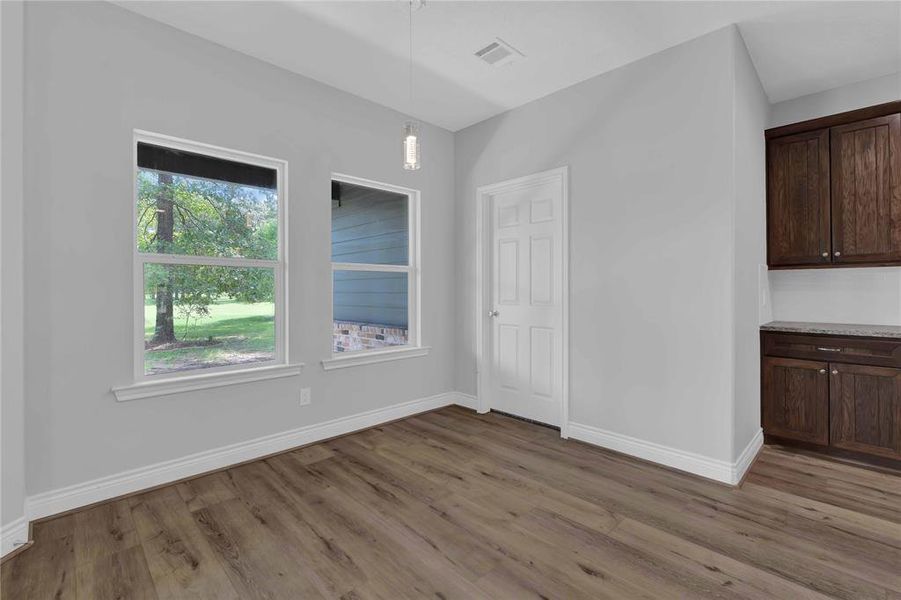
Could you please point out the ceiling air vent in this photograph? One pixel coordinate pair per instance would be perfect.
(498, 53)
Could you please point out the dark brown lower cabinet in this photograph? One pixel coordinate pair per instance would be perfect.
(865, 409)
(796, 399)
(817, 392)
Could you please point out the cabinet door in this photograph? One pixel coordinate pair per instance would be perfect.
(796, 399)
(866, 190)
(798, 199)
(866, 409)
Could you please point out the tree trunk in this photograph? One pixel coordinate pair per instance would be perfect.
(164, 331)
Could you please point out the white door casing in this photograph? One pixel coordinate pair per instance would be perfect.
(522, 297)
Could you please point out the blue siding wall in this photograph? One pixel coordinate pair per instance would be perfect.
(370, 226)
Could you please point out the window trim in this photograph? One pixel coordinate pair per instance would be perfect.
(203, 381)
(368, 357)
(279, 265)
(413, 269)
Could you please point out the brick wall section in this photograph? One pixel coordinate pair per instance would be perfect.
(348, 337)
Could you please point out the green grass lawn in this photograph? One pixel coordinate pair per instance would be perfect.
(241, 333)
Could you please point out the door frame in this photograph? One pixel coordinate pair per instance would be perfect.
(559, 175)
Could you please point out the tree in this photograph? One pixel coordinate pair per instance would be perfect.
(164, 331)
(189, 216)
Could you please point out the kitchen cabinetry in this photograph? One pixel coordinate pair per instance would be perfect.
(838, 393)
(796, 399)
(834, 190)
(865, 409)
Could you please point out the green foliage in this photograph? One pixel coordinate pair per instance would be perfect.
(210, 218)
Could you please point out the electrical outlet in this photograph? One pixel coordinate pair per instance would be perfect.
(305, 396)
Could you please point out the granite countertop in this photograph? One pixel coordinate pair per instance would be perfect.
(890, 331)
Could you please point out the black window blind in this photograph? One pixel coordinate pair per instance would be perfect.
(170, 160)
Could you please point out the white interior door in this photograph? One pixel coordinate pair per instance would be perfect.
(525, 351)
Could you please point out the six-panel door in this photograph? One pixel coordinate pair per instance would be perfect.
(798, 199)
(866, 191)
(526, 376)
(865, 410)
(796, 399)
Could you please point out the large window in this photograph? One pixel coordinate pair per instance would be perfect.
(375, 294)
(209, 258)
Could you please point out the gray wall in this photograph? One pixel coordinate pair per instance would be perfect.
(847, 97)
(837, 295)
(649, 147)
(12, 395)
(750, 117)
(95, 72)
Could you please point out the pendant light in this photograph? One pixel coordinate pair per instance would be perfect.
(411, 128)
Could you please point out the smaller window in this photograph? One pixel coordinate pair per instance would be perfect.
(375, 289)
(209, 259)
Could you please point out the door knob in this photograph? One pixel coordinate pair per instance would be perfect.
(822, 371)
(838, 253)
(825, 255)
(834, 371)
(493, 313)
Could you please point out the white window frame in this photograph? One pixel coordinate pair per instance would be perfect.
(166, 383)
(414, 346)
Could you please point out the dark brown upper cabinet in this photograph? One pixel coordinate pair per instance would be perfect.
(834, 190)
(866, 190)
(798, 206)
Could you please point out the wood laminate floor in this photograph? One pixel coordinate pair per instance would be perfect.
(451, 504)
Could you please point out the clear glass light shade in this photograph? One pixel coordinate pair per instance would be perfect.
(411, 146)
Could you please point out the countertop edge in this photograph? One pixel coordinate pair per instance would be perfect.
(840, 329)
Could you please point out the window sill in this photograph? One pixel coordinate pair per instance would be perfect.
(376, 356)
(178, 385)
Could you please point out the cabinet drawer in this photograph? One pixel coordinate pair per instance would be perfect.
(857, 350)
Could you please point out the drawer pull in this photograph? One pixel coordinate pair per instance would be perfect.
(823, 349)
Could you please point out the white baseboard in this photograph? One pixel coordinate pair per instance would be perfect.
(698, 464)
(466, 400)
(13, 535)
(747, 456)
(104, 488)
(83, 494)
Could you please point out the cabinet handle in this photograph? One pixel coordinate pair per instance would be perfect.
(824, 349)
(837, 253)
(825, 255)
(822, 371)
(834, 372)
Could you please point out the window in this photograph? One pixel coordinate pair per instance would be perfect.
(375, 289)
(209, 259)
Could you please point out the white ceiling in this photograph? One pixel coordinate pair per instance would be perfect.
(362, 47)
